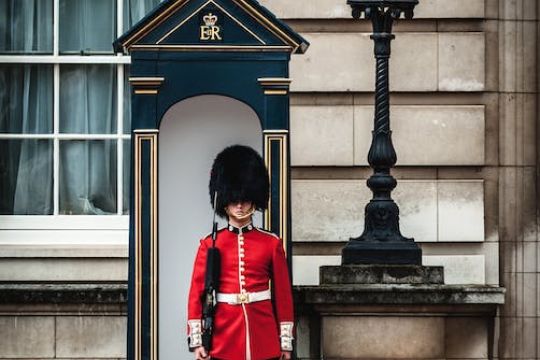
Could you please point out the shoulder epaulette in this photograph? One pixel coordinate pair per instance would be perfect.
(267, 232)
(210, 233)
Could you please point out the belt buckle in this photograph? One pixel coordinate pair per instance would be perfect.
(242, 298)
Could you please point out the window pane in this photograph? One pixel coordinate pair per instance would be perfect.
(87, 26)
(26, 26)
(88, 99)
(88, 177)
(135, 10)
(26, 177)
(127, 176)
(26, 99)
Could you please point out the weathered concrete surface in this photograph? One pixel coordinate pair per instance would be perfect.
(63, 293)
(381, 274)
(399, 294)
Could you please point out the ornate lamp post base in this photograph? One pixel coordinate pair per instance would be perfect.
(375, 253)
(382, 242)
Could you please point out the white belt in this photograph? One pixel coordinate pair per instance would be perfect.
(244, 298)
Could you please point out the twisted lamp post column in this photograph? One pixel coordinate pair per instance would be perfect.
(382, 242)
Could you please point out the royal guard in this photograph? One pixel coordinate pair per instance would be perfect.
(253, 314)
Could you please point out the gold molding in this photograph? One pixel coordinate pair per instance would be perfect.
(275, 92)
(146, 85)
(274, 81)
(232, 48)
(281, 138)
(146, 131)
(141, 136)
(146, 81)
(146, 92)
(138, 261)
(197, 11)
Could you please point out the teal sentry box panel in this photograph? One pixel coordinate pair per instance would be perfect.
(187, 48)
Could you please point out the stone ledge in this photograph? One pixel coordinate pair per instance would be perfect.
(105, 293)
(375, 294)
(362, 294)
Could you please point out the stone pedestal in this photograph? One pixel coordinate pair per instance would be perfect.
(381, 274)
(394, 312)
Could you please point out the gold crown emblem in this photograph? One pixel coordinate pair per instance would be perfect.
(210, 19)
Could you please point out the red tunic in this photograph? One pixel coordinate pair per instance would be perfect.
(245, 331)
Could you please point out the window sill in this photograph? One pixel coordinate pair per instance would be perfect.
(64, 236)
(51, 250)
(64, 222)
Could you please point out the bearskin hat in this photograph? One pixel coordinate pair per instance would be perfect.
(239, 174)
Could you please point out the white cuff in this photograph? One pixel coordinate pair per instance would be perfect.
(286, 335)
(195, 333)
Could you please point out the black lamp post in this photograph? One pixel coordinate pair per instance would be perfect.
(381, 241)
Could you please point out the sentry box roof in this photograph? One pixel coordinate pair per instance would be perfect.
(218, 25)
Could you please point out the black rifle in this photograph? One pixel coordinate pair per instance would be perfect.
(211, 286)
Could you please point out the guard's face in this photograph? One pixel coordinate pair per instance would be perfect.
(240, 210)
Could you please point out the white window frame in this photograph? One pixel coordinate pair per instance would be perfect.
(57, 223)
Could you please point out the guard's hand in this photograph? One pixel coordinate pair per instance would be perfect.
(201, 354)
(285, 355)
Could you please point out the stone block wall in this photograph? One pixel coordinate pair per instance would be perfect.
(444, 114)
(416, 337)
(464, 81)
(63, 321)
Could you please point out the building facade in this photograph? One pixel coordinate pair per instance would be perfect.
(464, 82)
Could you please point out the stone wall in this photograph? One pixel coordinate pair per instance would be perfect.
(444, 122)
(63, 321)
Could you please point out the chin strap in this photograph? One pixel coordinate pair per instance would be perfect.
(243, 217)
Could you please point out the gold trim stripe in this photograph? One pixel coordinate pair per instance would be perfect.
(261, 19)
(242, 25)
(145, 92)
(155, 250)
(158, 20)
(276, 92)
(146, 131)
(274, 81)
(182, 23)
(146, 81)
(237, 48)
(140, 137)
(137, 231)
(280, 137)
(268, 163)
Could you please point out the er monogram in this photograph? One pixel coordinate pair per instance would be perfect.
(210, 31)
